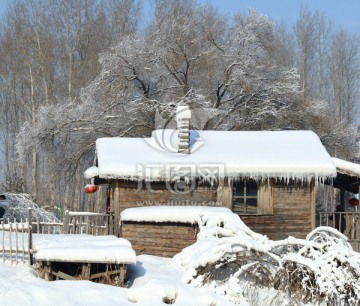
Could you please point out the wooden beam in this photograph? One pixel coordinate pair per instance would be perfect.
(342, 197)
(115, 206)
(103, 274)
(313, 203)
(85, 273)
(63, 275)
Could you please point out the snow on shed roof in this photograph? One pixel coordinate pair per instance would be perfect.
(233, 154)
(347, 167)
(181, 214)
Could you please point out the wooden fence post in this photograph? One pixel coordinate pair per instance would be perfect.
(87, 226)
(30, 252)
(10, 241)
(66, 223)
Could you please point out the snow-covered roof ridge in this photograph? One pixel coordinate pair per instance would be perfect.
(346, 167)
(296, 155)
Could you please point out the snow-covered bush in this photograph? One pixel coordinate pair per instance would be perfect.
(325, 269)
(234, 261)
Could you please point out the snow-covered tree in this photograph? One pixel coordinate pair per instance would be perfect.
(20, 203)
(231, 72)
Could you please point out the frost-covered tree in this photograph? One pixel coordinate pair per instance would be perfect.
(20, 203)
(145, 75)
(187, 54)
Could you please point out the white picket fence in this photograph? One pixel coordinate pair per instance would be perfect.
(16, 237)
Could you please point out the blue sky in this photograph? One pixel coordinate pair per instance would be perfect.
(344, 13)
(3, 5)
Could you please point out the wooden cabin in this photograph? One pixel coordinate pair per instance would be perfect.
(268, 178)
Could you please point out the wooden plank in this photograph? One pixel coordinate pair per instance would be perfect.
(163, 225)
(156, 231)
(106, 273)
(162, 239)
(161, 242)
(313, 204)
(85, 271)
(116, 207)
(3, 240)
(158, 248)
(224, 195)
(48, 271)
(265, 196)
(64, 276)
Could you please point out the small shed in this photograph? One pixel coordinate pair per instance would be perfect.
(268, 178)
(163, 230)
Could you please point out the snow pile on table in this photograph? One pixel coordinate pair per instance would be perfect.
(83, 248)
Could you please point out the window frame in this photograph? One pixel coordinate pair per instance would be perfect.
(244, 191)
(265, 205)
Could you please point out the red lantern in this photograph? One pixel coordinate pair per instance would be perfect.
(354, 202)
(90, 188)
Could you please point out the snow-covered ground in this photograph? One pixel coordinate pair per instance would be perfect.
(154, 280)
(228, 265)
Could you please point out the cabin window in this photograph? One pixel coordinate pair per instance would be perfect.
(245, 197)
(252, 198)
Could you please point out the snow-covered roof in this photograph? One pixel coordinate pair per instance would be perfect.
(347, 167)
(176, 214)
(232, 154)
(83, 248)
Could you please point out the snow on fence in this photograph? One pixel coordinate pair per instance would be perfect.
(87, 223)
(347, 223)
(16, 237)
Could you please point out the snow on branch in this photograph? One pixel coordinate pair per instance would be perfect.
(146, 76)
(19, 206)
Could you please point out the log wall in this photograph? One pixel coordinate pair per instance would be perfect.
(126, 194)
(130, 197)
(159, 239)
(293, 213)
